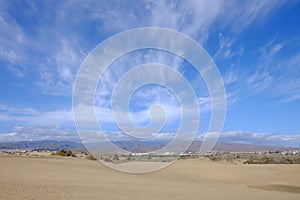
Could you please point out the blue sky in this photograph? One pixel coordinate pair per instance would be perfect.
(255, 45)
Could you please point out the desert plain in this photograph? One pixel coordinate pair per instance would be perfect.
(55, 177)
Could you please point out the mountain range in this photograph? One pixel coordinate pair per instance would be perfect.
(135, 146)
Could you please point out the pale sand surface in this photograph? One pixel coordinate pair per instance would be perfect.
(74, 178)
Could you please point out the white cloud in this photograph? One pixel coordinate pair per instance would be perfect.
(20, 133)
(272, 139)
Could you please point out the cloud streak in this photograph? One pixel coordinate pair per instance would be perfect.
(58, 47)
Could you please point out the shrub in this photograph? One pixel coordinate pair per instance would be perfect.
(184, 156)
(91, 157)
(115, 157)
(64, 152)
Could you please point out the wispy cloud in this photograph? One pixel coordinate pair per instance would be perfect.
(274, 73)
(287, 85)
(11, 50)
(246, 13)
(246, 137)
(56, 48)
(225, 45)
(285, 82)
(57, 73)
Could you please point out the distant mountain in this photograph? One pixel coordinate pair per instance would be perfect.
(140, 146)
(135, 146)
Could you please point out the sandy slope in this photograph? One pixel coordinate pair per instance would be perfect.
(73, 178)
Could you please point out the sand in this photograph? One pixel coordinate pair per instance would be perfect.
(75, 178)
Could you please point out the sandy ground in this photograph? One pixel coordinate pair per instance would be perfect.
(74, 178)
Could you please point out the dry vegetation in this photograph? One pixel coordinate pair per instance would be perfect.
(233, 157)
(257, 157)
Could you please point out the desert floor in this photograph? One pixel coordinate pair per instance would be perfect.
(74, 178)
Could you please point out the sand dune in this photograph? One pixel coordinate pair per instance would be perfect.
(74, 178)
